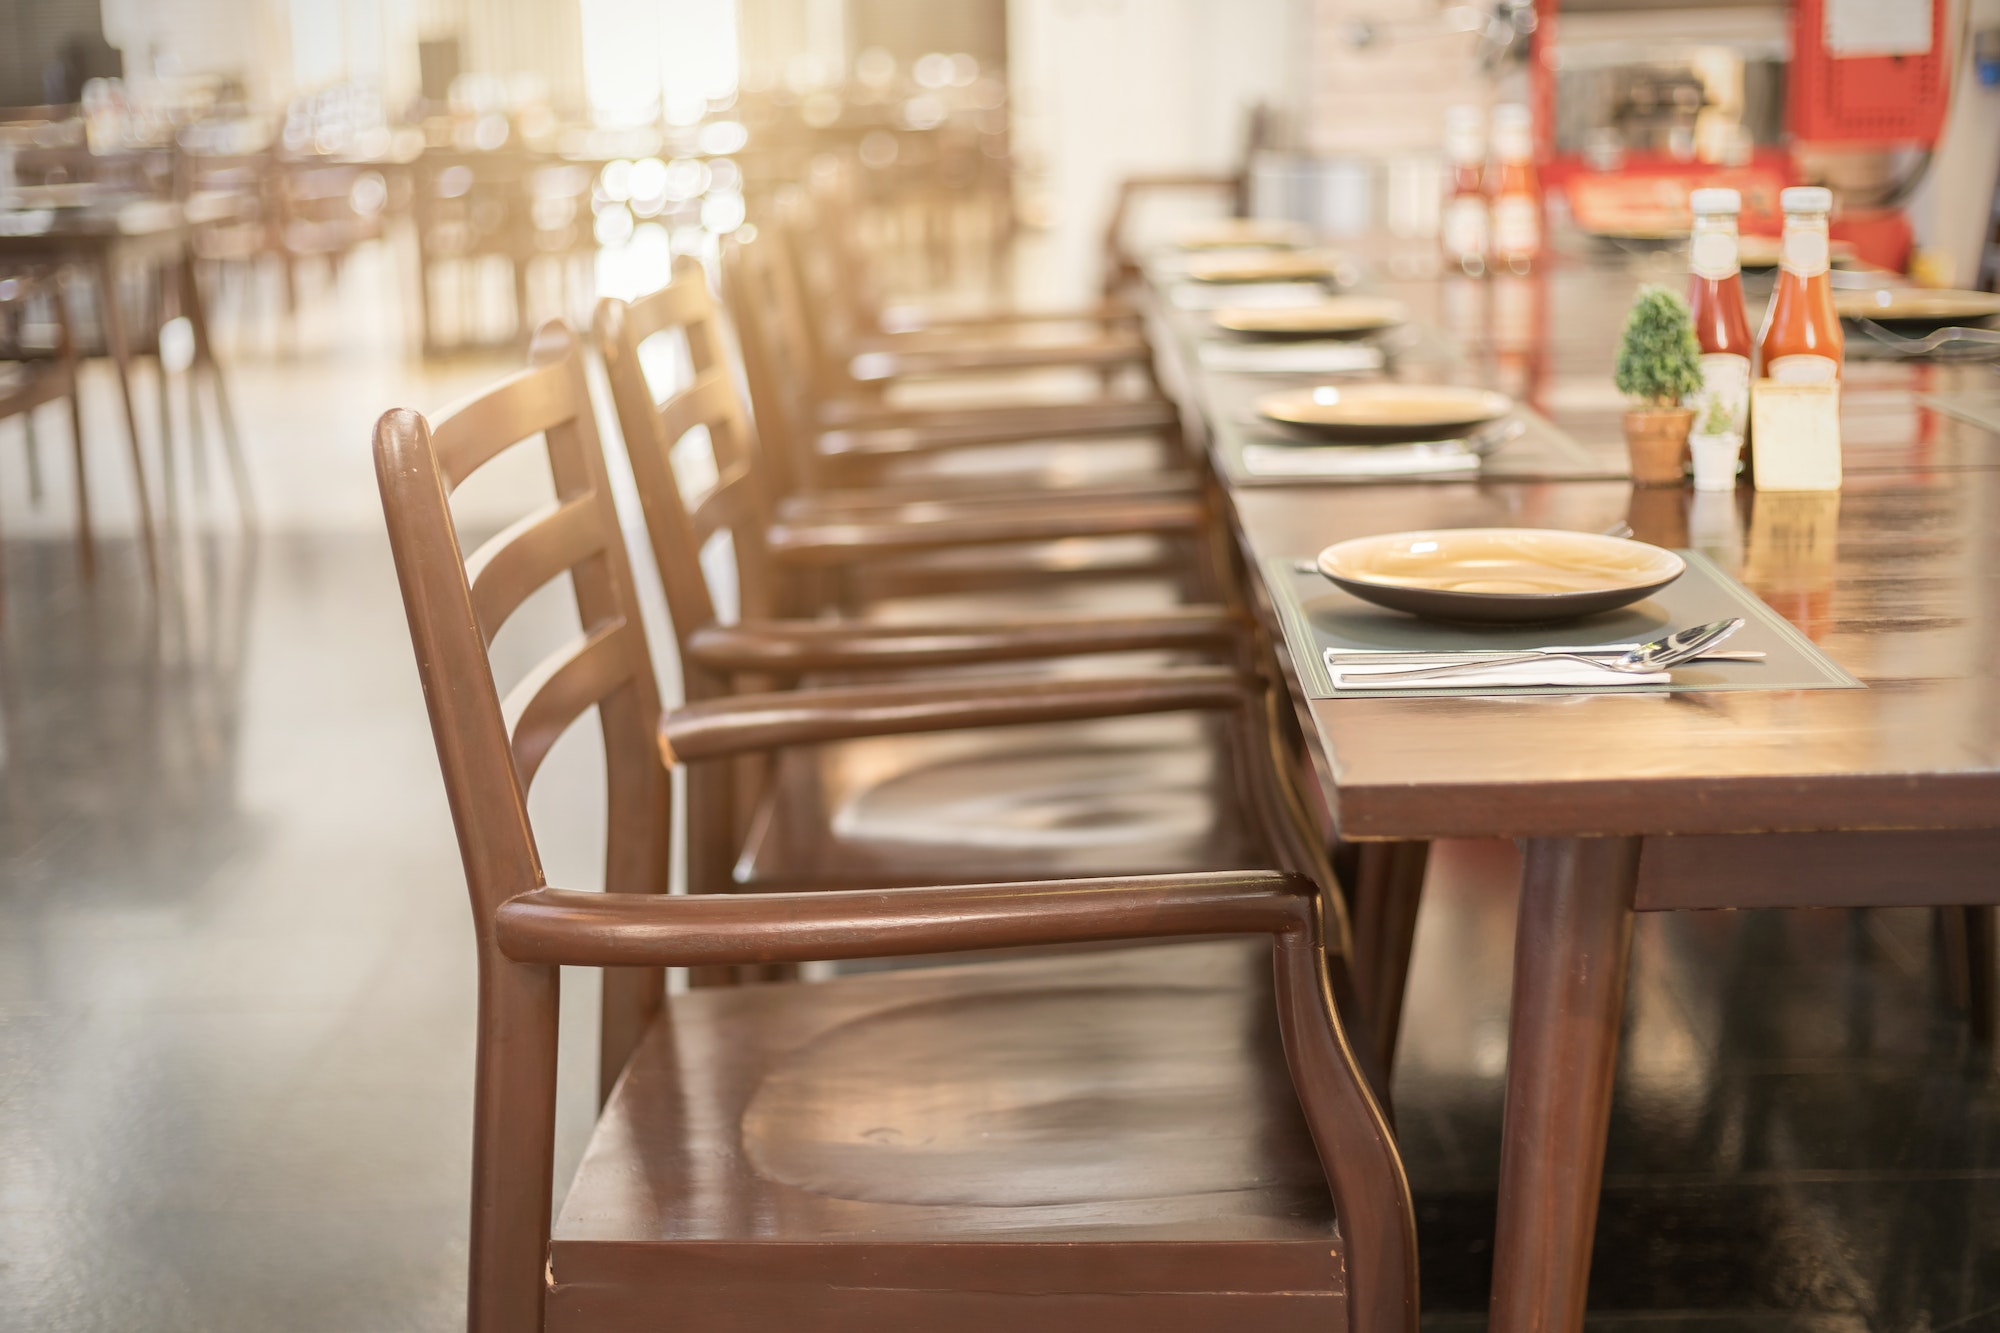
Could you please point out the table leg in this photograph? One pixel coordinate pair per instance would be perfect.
(1573, 942)
(115, 342)
(1387, 884)
(204, 356)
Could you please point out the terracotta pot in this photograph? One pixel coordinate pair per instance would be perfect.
(1656, 440)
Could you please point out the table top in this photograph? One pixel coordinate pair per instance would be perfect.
(41, 230)
(1896, 577)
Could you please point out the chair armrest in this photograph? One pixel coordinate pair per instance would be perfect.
(944, 359)
(559, 926)
(807, 645)
(998, 423)
(920, 499)
(1179, 180)
(748, 723)
(839, 541)
(898, 321)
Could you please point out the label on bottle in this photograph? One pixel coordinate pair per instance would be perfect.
(1517, 225)
(1724, 376)
(1464, 228)
(1804, 251)
(1803, 368)
(1713, 255)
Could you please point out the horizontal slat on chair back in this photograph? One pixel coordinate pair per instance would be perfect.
(470, 434)
(674, 306)
(508, 568)
(721, 508)
(564, 686)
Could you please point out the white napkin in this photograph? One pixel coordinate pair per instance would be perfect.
(1252, 295)
(1299, 358)
(1351, 675)
(1399, 460)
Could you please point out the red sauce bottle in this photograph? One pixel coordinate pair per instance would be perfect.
(1516, 239)
(1802, 339)
(1715, 299)
(1462, 229)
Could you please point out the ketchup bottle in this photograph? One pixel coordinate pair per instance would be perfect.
(1462, 229)
(1715, 299)
(1802, 341)
(1517, 204)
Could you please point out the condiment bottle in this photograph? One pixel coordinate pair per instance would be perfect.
(1715, 299)
(1801, 342)
(1462, 229)
(1517, 203)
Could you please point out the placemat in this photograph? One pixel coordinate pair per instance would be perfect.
(1317, 616)
(1982, 409)
(1255, 453)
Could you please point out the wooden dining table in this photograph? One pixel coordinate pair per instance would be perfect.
(100, 236)
(1631, 801)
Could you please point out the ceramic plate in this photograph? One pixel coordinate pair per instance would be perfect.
(1276, 266)
(1341, 317)
(1269, 233)
(1914, 310)
(1499, 575)
(1385, 413)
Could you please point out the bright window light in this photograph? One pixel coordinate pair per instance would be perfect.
(646, 58)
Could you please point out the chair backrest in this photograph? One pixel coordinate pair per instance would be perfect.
(761, 291)
(456, 605)
(725, 488)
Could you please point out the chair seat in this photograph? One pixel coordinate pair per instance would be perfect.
(1103, 1139)
(1135, 795)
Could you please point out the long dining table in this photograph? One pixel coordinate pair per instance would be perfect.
(1630, 801)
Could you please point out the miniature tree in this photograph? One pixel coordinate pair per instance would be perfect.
(1715, 416)
(1659, 361)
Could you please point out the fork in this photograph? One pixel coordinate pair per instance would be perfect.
(1897, 343)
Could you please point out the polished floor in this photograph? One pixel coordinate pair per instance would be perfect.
(235, 1010)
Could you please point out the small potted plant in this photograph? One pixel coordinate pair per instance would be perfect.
(1659, 364)
(1715, 446)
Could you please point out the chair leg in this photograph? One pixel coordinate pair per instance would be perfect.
(1968, 936)
(86, 542)
(34, 446)
(170, 482)
(112, 317)
(204, 360)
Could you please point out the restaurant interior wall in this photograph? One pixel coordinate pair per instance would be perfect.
(1101, 91)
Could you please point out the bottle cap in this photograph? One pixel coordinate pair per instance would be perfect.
(1509, 115)
(1806, 199)
(1705, 202)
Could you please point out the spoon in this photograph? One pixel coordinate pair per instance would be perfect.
(1680, 646)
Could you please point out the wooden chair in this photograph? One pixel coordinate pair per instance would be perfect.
(1174, 795)
(33, 376)
(1174, 1135)
(818, 443)
(857, 350)
(1232, 188)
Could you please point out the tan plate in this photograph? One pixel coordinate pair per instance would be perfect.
(1277, 266)
(1269, 233)
(1386, 413)
(1911, 306)
(1499, 575)
(1341, 317)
